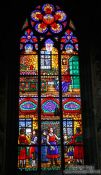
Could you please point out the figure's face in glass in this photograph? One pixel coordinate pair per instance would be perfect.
(51, 130)
(65, 137)
(34, 132)
(44, 133)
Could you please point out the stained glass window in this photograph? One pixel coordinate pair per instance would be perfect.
(50, 114)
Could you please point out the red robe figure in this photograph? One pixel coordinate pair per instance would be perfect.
(77, 141)
(22, 140)
(52, 151)
(33, 149)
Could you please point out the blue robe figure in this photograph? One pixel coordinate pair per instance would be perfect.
(33, 150)
(44, 147)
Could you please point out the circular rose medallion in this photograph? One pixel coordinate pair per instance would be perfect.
(60, 16)
(36, 15)
(56, 28)
(41, 28)
(48, 8)
(48, 19)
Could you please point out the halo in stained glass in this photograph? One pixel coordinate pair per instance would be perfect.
(49, 41)
(41, 28)
(48, 8)
(48, 19)
(36, 15)
(60, 16)
(28, 48)
(69, 48)
(56, 28)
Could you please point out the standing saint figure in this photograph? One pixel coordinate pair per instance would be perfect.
(33, 149)
(77, 140)
(44, 146)
(52, 151)
(23, 140)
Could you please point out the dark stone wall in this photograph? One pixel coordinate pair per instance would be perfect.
(96, 89)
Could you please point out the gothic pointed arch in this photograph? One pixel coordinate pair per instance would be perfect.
(50, 114)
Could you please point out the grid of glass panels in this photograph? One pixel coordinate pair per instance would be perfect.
(50, 116)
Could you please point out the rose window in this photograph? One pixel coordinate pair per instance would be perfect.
(46, 18)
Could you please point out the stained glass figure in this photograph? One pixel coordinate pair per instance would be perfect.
(33, 150)
(50, 144)
(44, 158)
(52, 150)
(49, 44)
(75, 153)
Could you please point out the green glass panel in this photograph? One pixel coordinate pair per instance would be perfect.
(75, 82)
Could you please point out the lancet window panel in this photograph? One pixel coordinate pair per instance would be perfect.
(50, 115)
